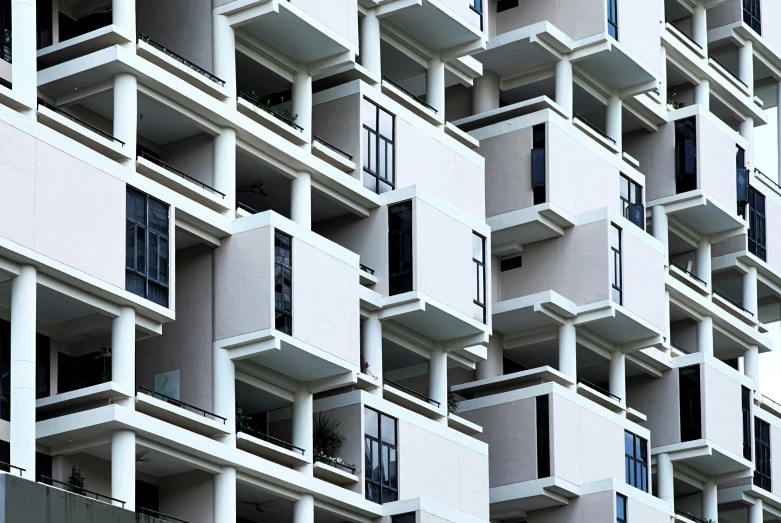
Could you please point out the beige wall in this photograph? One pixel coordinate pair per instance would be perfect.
(508, 184)
(338, 122)
(194, 156)
(638, 31)
(659, 400)
(643, 282)
(722, 410)
(191, 36)
(727, 13)
(656, 154)
(189, 496)
(577, 18)
(341, 16)
(716, 162)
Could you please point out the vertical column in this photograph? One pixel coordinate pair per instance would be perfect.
(756, 512)
(224, 55)
(751, 366)
(302, 425)
(710, 502)
(667, 318)
(700, 27)
(23, 307)
(704, 261)
(613, 123)
(659, 226)
(664, 473)
(435, 86)
(371, 337)
(568, 352)
(494, 363)
(304, 509)
(663, 78)
(123, 468)
(123, 353)
(126, 114)
(123, 15)
(302, 103)
(225, 165)
(618, 375)
(225, 496)
(750, 302)
(485, 93)
(747, 132)
(224, 391)
(301, 199)
(370, 44)
(563, 79)
(23, 53)
(55, 22)
(746, 65)
(778, 124)
(702, 94)
(437, 379)
(705, 335)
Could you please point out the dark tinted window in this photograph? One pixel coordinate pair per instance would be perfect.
(543, 437)
(146, 247)
(400, 248)
(690, 406)
(283, 282)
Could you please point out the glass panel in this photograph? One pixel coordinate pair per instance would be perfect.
(136, 206)
(388, 430)
(616, 296)
(371, 423)
(370, 181)
(386, 125)
(369, 114)
(389, 173)
(163, 265)
(152, 270)
(624, 188)
(158, 217)
(130, 245)
(615, 238)
(477, 247)
(366, 137)
(393, 468)
(381, 160)
(480, 284)
(141, 249)
(628, 444)
(375, 470)
(385, 465)
(372, 164)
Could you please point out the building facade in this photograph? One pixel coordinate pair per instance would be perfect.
(402, 261)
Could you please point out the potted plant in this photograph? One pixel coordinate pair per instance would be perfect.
(76, 481)
(327, 441)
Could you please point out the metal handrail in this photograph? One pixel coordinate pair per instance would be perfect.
(774, 402)
(400, 88)
(725, 68)
(593, 127)
(79, 121)
(332, 147)
(673, 345)
(159, 515)
(599, 389)
(273, 112)
(181, 404)
(412, 392)
(720, 295)
(179, 58)
(690, 273)
(767, 177)
(79, 491)
(173, 169)
(689, 38)
(689, 515)
(247, 208)
(366, 269)
(334, 462)
(9, 466)
(271, 439)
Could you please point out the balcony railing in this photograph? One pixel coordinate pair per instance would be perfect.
(7, 467)
(79, 121)
(594, 128)
(416, 98)
(733, 75)
(720, 295)
(676, 347)
(159, 515)
(163, 49)
(81, 491)
(599, 389)
(335, 463)
(768, 178)
(366, 269)
(776, 404)
(186, 406)
(688, 272)
(270, 439)
(270, 110)
(247, 208)
(412, 392)
(690, 516)
(174, 170)
(332, 147)
(679, 30)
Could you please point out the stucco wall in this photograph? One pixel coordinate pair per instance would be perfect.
(773, 241)
(658, 399)
(190, 36)
(462, 10)
(577, 18)
(338, 122)
(350, 420)
(340, 16)
(656, 154)
(194, 156)
(189, 495)
(722, 410)
(716, 162)
(643, 282)
(725, 14)
(508, 171)
(638, 31)
(600, 506)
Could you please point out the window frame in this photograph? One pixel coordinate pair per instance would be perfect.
(746, 401)
(542, 426)
(478, 265)
(694, 409)
(368, 457)
(620, 498)
(612, 23)
(617, 277)
(752, 15)
(763, 477)
(279, 265)
(634, 192)
(368, 135)
(637, 464)
(757, 232)
(404, 235)
(148, 234)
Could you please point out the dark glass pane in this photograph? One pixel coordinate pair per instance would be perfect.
(152, 268)
(158, 294)
(163, 263)
(371, 423)
(386, 125)
(385, 465)
(628, 444)
(141, 249)
(375, 470)
(538, 168)
(393, 468)
(136, 205)
(625, 188)
(130, 245)
(158, 217)
(135, 284)
(388, 430)
(369, 114)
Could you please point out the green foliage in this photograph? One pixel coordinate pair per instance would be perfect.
(453, 405)
(76, 481)
(326, 438)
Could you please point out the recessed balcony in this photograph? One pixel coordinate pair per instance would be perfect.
(179, 413)
(270, 448)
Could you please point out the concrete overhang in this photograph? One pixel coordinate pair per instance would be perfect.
(532, 495)
(618, 325)
(532, 311)
(699, 212)
(617, 69)
(524, 226)
(527, 47)
(705, 456)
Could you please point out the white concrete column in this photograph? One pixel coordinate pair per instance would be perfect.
(756, 511)
(568, 351)
(123, 468)
(301, 199)
(225, 496)
(710, 502)
(704, 261)
(613, 123)
(747, 132)
(705, 335)
(23, 53)
(702, 94)
(123, 15)
(55, 22)
(304, 509)
(225, 165)
(126, 114)
(485, 93)
(437, 380)
(700, 27)
(435, 86)
(303, 426)
(746, 65)
(302, 104)
(667, 319)
(663, 76)
(371, 340)
(370, 44)
(224, 55)
(618, 375)
(123, 353)
(750, 302)
(778, 122)
(664, 474)
(659, 227)
(751, 366)
(224, 391)
(23, 307)
(563, 79)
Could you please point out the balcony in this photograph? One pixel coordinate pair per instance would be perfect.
(412, 400)
(271, 118)
(179, 413)
(270, 448)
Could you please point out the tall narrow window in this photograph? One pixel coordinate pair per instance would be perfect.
(741, 180)
(762, 457)
(685, 155)
(756, 223)
(377, 148)
(612, 18)
(616, 269)
(283, 282)
(621, 509)
(5, 30)
(752, 14)
(538, 163)
(632, 202)
(400, 248)
(478, 258)
(381, 451)
(146, 247)
(477, 7)
(543, 437)
(636, 461)
(690, 406)
(504, 5)
(746, 402)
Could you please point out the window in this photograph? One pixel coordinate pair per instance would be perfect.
(691, 411)
(616, 277)
(742, 180)
(636, 461)
(377, 148)
(409, 517)
(612, 18)
(746, 401)
(543, 437)
(762, 457)
(146, 242)
(756, 224)
(508, 264)
(632, 202)
(752, 15)
(382, 470)
(685, 155)
(283, 282)
(400, 248)
(5, 30)
(477, 7)
(538, 163)
(504, 5)
(620, 509)
(478, 258)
